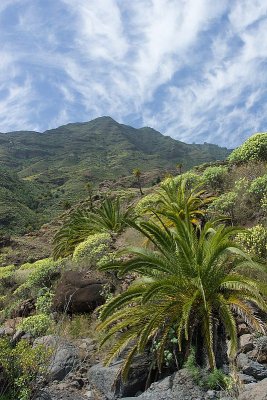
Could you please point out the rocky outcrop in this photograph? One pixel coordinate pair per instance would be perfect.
(64, 357)
(107, 382)
(178, 386)
(79, 292)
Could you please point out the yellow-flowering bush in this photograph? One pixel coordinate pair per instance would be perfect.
(36, 325)
(254, 149)
(33, 277)
(93, 248)
(254, 240)
(259, 187)
(7, 275)
(23, 367)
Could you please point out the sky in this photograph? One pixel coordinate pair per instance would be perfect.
(195, 70)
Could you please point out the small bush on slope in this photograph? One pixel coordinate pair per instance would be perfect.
(254, 149)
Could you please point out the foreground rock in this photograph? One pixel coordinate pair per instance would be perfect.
(255, 391)
(64, 356)
(178, 386)
(106, 381)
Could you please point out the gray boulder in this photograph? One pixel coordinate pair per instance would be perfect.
(106, 380)
(256, 391)
(255, 369)
(251, 368)
(64, 356)
(178, 386)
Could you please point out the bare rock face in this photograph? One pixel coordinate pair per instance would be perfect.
(77, 292)
(256, 391)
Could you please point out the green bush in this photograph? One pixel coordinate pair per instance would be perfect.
(259, 187)
(215, 176)
(7, 275)
(254, 149)
(36, 325)
(192, 366)
(264, 203)
(224, 204)
(44, 302)
(93, 248)
(145, 204)
(38, 275)
(217, 380)
(23, 368)
(254, 240)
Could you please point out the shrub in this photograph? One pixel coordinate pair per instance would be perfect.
(44, 302)
(37, 275)
(259, 187)
(36, 325)
(146, 203)
(254, 149)
(224, 204)
(264, 203)
(215, 176)
(192, 366)
(254, 240)
(93, 248)
(7, 275)
(217, 380)
(23, 367)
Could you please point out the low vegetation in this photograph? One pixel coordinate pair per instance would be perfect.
(187, 257)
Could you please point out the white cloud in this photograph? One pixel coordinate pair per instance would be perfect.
(192, 69)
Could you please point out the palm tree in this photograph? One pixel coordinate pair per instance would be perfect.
(179, 166)
(110, 217)
(177, 198)
(191, 281)
(137, 174)
(89, 188)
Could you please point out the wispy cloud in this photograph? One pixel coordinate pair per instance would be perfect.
(193, 69)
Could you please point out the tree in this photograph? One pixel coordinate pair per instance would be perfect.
(137, 174)
(179, 166)
(89, 188)
(193, 281)
(178, 198)
(110, 217)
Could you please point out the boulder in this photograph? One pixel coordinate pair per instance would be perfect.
(243, 378)
(256, 391)
(78, 292)
(64, 356)
(255, 369)
(242, 361)
(251, 368)
(261, 349)
(179, 386)
(106, 380)
(246, 343)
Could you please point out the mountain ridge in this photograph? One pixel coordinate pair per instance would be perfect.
(63, 160)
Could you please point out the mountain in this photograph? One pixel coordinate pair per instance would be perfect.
(61, 161)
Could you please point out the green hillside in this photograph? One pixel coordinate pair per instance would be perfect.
(74, 154)
(61, 161)
(19, 201)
